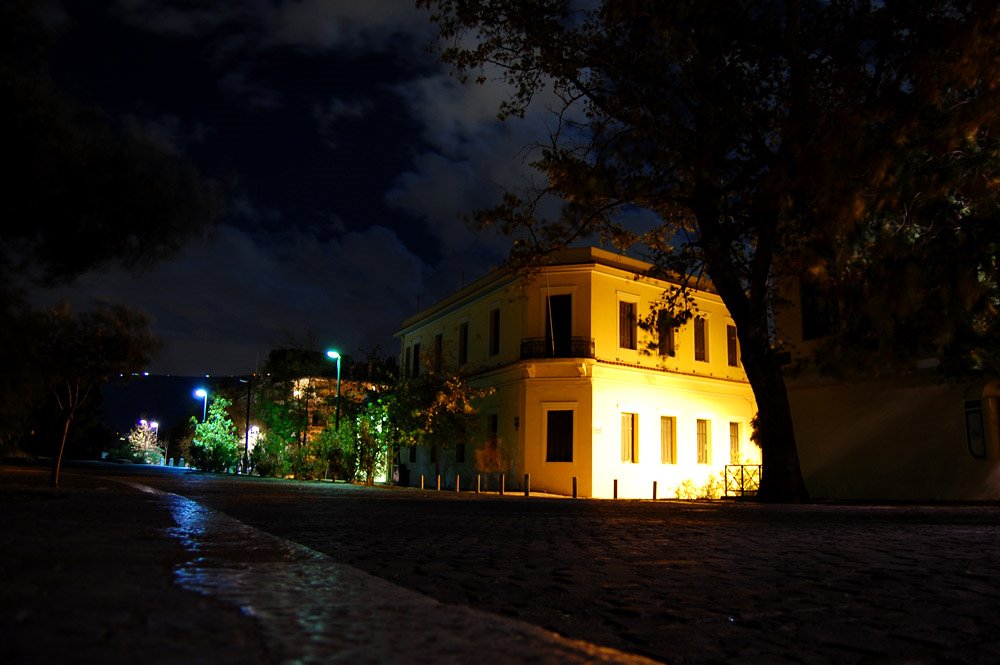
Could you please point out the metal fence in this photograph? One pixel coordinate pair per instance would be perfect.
(742, 479)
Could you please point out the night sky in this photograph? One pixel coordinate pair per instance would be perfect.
(352, 157)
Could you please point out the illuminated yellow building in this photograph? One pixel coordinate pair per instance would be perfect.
(899, 436)
(583, 392)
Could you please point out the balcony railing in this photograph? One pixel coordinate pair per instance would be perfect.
(540, 347)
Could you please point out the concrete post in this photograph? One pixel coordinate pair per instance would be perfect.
(574, 487)
(458, 482)
(654, 490)
(503, 478)
(616, 489)
(439, 482)
(527, 484)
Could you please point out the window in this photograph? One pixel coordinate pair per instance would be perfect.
(463, 342)
(627, 325)
(406, 362)
(559, 436)
(704, 451)
(630, 438)
(665, 333)
(734, 443)
(460, 453)
(492, 431)
(413, 453)
(700, 339)
(416, 360)
(437, 352)
(668, 439)
(732, 347)
(495, 331)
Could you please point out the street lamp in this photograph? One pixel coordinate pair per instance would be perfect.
(155, 426)
(336, 356)
(246, 443)
(203, 394)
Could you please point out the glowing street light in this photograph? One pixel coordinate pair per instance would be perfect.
(201, 393)
(336, 356)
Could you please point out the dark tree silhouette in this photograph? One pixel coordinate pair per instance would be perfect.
(78, 352)
(851, 144)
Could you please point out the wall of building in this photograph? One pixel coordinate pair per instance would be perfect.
(892, 439)
(598, 389)
(652, 395)
(558, 385)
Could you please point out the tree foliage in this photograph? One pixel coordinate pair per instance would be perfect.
(849, 145)
(142, 444)
(215, 448)
(434, 409)
(83, 190)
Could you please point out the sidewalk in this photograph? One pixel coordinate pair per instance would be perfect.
(100, 571)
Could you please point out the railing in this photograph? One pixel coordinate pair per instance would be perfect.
(742, 479)
(540, 347)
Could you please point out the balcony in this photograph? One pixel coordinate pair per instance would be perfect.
(571, 347)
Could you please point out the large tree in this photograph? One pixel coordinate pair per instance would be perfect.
(849, 144)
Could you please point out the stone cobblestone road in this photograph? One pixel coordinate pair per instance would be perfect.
(698, 582)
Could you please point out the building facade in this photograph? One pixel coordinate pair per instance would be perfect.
(904, 435)
(589, 389)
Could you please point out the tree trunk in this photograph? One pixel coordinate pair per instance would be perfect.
(57, 458)
(781, 476)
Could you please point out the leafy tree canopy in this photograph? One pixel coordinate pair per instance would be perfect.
(82, 190)
(848, 144)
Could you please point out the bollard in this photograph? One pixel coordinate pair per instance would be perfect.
(479, 478)
(654, 490)
(574, 487)
(615, 495)
(181, 462)
(421, 481)
(439, 482)
(171, 462)
(527, 484)
(503, 478)
(458, 482)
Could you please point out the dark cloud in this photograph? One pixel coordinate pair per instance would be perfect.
(353, 162)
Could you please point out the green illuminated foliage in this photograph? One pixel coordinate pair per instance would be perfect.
(215, 445)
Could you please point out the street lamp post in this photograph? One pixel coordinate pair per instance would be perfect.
(336, 419)
(246, 442)
(155, 426)
(201, 393)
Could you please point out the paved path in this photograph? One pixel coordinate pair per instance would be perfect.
(678, 582)
(102, 572)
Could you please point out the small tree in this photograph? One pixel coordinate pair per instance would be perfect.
(372, 437)
(143, 444)
(435, 409)
(79, 352)
(214, 447)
